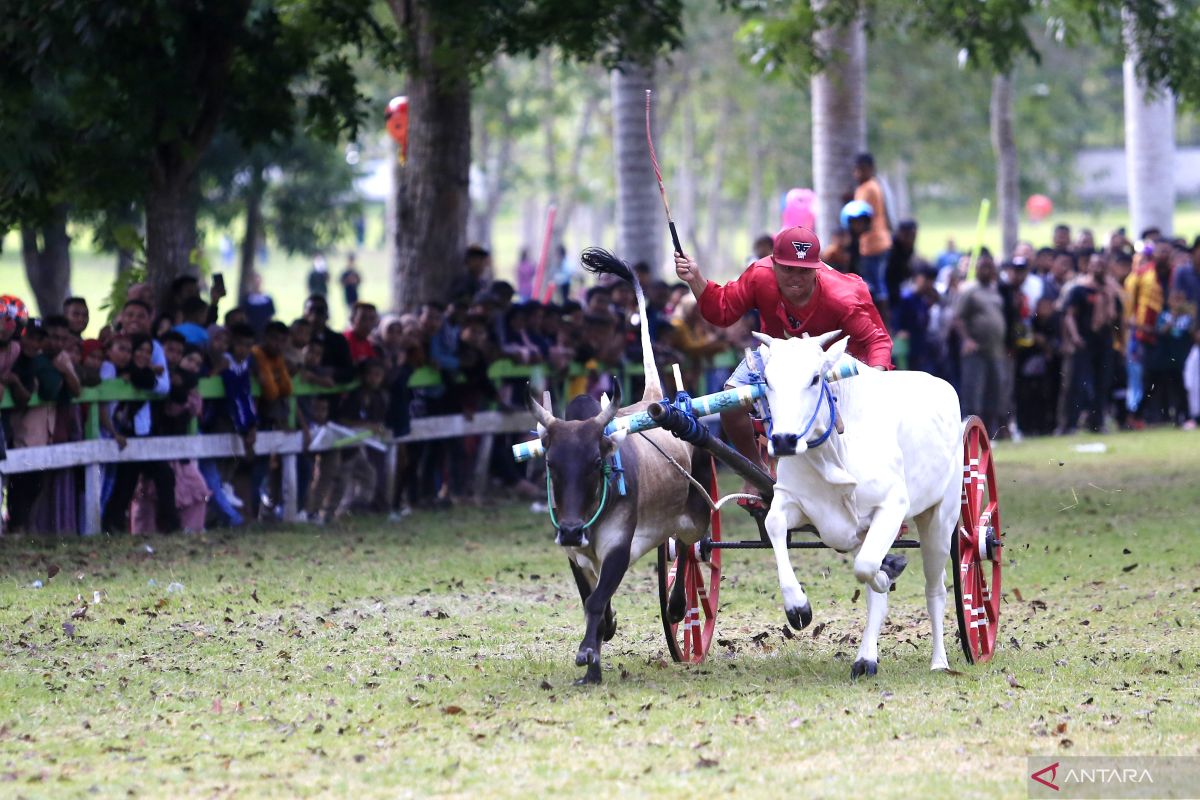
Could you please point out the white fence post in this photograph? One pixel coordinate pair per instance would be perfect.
(287, 479)
(93, 482)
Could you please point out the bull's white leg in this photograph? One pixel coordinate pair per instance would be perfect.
(935, 549)
(868, 652)
(783, 515)
(869, 561)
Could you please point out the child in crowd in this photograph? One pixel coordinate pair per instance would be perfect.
(299, 335)
(142, 375)
(173, 418)
(366, 409)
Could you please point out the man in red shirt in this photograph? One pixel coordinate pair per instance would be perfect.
(794, 293)
(363, 320)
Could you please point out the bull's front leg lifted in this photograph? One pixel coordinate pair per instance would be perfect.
(612, 571)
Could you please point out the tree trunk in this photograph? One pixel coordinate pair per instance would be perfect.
(48, 263)
(839, 117)
(1004, 145)
(1149, 149)
(640, 221)
(254, 224)
(432, 189)
(170, 233)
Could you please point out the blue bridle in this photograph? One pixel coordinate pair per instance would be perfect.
(826, 397)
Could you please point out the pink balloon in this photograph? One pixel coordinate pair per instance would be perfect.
(798, 208)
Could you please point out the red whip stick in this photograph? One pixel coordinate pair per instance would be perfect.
(662, 190)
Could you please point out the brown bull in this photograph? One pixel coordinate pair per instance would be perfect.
(603, 530)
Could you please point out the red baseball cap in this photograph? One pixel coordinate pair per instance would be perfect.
(797, 247)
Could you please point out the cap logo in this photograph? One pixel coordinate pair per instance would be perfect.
(802, 249)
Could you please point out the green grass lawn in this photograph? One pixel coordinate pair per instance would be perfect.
(436, 657)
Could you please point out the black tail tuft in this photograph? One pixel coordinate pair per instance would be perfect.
(599, 261)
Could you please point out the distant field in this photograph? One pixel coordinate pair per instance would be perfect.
(435, 658)
(283, 275)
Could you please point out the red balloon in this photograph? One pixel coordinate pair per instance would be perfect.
(397, 123)
(1038, 207)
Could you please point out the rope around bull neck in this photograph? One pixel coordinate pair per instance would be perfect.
(607, 470)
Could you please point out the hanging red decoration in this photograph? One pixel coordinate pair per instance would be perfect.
(397, 124)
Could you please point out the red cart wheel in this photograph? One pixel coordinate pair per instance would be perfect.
(975, 548)
(699, 567)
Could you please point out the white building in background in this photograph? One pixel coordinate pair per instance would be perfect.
(1101, 175)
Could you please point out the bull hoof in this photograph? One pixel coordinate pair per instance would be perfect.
(587, 656)
(610, 627)
(863, 667)
(592, 678)
(892, 566)
(799, 618)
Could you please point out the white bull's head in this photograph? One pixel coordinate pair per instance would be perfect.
(793, 370)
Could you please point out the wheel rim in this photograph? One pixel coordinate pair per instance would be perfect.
(690, 639)
(976, 548)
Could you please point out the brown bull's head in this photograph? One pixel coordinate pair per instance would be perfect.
(576, 450)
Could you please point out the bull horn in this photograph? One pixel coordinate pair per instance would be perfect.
(764, 338)
(825, 338)
(609, 413)
(543, 417)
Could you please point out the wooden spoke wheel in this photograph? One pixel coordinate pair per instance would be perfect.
(699, 567)
(975, 549)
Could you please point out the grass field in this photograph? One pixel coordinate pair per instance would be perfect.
(435, 657)
(283, 275)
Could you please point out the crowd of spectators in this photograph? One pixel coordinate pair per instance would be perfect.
(1047, 341)
(1073, 336)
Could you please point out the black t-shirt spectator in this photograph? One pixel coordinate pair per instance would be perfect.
(1082, 301)
(335, 354)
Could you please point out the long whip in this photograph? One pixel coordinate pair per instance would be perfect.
(662, 189)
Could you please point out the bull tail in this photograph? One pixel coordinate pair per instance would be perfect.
(599, 261)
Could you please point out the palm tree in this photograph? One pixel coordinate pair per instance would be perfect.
(1149, 146)
(640, 221)
(839, 114)
(1007, 172)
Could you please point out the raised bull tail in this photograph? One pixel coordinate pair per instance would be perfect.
(599, 261)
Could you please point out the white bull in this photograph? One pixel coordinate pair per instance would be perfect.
(894, 453)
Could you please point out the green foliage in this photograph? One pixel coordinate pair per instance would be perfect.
(100, 101)
(469, 34)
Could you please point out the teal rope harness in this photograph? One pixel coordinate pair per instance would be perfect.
(608, 471)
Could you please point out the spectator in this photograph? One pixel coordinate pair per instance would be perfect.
(236, 375)
(526, 272)
(478, 260)
(363, 320)
(259, 307)
(365, 408)
(1091, 313)
(1037, 369)
(335, 351)
(899, 262)
(75, 309)
(193, 313)
(912, 318)
(146, 374)
(299, 335)
(876, 243)
(948, 257)
(318, 277)
(979, 319)
(763, 246)
(350, 279)
(1060, 240)
(1175, 328)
